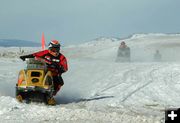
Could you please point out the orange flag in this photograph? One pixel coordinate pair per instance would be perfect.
(43, 41)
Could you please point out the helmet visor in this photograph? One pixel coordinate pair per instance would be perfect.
(55, 50)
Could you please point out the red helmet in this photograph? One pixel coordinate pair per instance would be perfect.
(54, 47)
(54, 44)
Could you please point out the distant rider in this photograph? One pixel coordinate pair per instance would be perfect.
(157, 56)
(123, 51)
(56, 62)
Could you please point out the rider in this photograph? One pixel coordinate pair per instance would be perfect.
(123, 45)
(123, 50)
(56, 62)
(157, 56)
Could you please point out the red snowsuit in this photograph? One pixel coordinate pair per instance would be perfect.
(56, 73)
(60, 59)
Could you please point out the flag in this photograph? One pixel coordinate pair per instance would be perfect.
(43, 41)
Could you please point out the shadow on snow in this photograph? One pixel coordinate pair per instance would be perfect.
(67, 100)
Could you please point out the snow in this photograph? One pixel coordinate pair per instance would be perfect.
(99, 90)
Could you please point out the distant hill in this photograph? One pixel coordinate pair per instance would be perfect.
(18, 43)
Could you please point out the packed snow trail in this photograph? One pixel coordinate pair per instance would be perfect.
(128, 89)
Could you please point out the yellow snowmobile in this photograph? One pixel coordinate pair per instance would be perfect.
(35, 83)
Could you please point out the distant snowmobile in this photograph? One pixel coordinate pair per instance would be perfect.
(157, 56)
(123, 54)
(35, 83)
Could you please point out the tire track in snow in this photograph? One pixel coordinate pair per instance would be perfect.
(141, 87)
(125, 76)
(130, 77)
(150, 76)
(135, 79)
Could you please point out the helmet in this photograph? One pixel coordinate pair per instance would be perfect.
(54, 44)
(123, 43)
(54, 47)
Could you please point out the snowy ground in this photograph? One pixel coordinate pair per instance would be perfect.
(99, 90)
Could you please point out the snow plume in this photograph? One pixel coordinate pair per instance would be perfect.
(8, 75)
(143, 47)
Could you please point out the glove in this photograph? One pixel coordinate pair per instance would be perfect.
(22, 57)
(52, 66)
(56, 66)
(26, 56)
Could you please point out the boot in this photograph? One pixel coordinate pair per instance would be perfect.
(19, 98)
(51, 101)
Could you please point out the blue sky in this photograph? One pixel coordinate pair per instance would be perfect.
(76, 21)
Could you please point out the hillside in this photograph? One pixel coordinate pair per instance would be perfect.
(18, 43)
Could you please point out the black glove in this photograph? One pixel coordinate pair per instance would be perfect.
(26, 56)
(22, 57)
(52, 66)
(56, 66)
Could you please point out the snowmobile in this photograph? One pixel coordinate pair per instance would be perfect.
(123, 55)
(35, 83)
